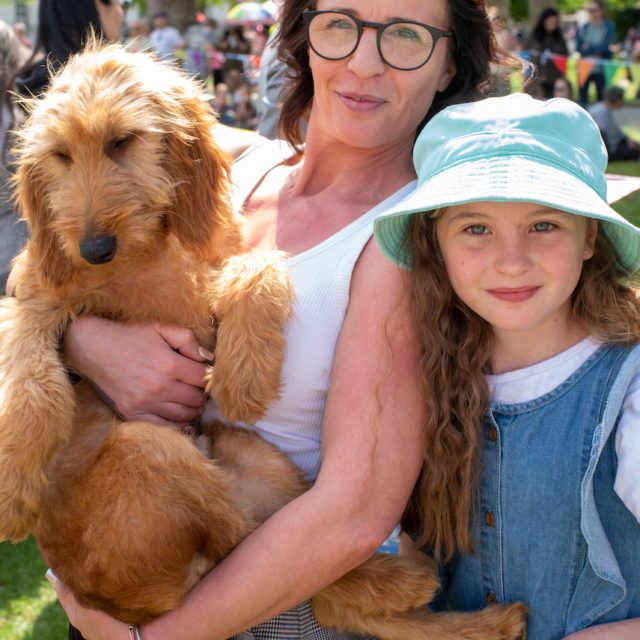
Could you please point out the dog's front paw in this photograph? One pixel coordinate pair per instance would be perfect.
(243, 398)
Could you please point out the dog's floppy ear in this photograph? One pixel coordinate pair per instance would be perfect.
(30, 196)
(202, 216)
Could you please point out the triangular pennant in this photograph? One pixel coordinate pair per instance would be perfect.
(609, 70)
(584, 69)
(560, 63)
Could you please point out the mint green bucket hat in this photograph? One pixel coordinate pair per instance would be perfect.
(511, 149)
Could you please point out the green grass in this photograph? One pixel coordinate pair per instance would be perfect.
(628, 207)
(29, 609)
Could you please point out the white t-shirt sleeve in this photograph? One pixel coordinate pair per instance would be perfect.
(627, 482)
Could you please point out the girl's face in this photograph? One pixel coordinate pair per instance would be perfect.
(362, 101)
(516, 265)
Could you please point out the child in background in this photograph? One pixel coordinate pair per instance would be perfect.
(530, 488)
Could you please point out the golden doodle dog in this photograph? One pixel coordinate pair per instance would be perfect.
(126, 194)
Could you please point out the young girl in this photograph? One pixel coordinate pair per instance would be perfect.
(530, 488)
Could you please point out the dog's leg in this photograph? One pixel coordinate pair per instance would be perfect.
(387, 597)
(251, 298)
(36, 411)
(263, 478)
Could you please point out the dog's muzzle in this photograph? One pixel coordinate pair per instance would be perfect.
(99, 250)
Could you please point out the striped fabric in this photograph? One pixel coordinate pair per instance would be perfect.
(298, 623)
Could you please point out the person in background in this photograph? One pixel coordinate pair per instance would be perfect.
(223, 105)
(501, 72)
(165, 40)
(13, 231)
(619, 145)
(20, 29)
(530, 335)
(562, 88)
(545, 40)
(593, 40)
(200, 42)
(350, 413)
(63, 28)
(138, 38)
(235, 47)
(271, 81)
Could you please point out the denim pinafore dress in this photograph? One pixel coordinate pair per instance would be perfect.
(550, 530)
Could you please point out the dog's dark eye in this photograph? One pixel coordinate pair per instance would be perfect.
(117, 144)
(63, 155)
(121, 142)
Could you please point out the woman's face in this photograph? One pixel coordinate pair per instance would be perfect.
(362, 101)
(111, 18)
(551, 23)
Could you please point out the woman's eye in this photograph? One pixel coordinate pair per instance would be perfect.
(477, 229)
(403, 32)
(541, 227)
(339, 24)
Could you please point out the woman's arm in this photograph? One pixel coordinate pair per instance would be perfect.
(371, 457)
(150, 372)
(623, 630)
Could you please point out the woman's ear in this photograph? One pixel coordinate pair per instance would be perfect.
(590, 238)
(448, 74)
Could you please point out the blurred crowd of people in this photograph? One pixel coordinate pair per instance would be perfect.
(226, 58)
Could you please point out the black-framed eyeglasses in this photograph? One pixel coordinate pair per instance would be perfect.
(402, 44)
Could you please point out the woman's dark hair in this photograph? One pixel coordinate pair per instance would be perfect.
(473, 48)
(63, 28)
(539, 32)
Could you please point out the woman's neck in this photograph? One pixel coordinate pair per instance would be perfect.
(352, 174)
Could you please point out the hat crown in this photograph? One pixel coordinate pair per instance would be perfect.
(556, 132)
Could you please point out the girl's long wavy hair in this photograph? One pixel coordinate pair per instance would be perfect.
(456, 345)
(473, 48)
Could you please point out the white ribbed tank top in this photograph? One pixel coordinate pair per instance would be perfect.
(321, 279)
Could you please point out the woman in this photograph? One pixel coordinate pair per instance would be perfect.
(546, 39)
(350, 413)
(63, 27)
(13, 233)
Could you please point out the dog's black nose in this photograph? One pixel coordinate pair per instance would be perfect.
(99, 250)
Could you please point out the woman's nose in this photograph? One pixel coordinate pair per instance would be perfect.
(365, 61)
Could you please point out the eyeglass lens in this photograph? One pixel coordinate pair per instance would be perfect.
(403, 45)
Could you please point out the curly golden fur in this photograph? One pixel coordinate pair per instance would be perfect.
(126, 193)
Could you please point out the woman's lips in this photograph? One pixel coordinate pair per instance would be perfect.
(359, 102)
(519, 294)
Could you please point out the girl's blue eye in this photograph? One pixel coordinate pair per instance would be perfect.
(477, 229)
(543, 226)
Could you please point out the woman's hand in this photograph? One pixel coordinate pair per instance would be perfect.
(150, 371)
(92, 624)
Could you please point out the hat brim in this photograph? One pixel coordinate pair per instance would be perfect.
(506, 179)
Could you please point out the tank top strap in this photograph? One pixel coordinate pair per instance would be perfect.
(253, 164)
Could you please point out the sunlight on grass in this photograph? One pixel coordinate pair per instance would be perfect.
(29, 609)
